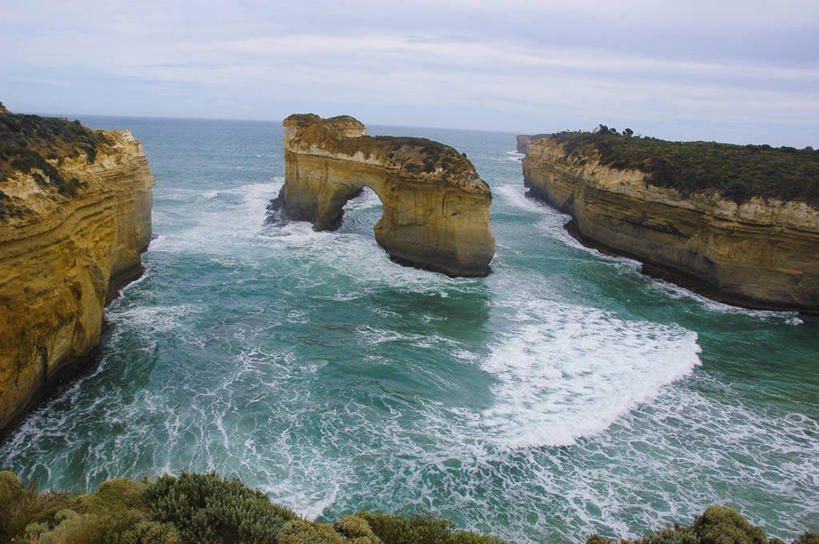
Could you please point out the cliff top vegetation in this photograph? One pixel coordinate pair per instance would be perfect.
(24, 136)
(29, 142)
(197, 508)
(411, 156)
(739, 172)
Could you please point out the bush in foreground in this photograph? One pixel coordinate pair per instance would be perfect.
(718, 525)
(207, 509)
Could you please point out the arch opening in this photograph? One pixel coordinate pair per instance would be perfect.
(362, 211)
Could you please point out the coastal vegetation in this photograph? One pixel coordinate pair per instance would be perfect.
(738, 172)
(199, 508)
(414, 156)
(37, 145)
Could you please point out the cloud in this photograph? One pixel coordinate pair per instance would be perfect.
(540, 58)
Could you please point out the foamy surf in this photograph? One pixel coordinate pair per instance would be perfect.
(568, 372)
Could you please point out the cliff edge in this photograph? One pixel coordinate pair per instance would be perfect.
(747, 233)
(75, 216)
(436, 207)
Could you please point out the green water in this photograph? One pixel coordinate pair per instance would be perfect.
(564, 394)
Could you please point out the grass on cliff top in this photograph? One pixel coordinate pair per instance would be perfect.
(195, 509)
(738, 172)
(412, 155)
(27, 141)
(204, 508)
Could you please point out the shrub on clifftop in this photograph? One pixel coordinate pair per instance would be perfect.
(739, 172)
(420, 530)
(207, 508)
(718, 525)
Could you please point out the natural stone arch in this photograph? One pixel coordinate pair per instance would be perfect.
(436, 207)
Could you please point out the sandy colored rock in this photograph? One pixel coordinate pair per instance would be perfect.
(62, 260)
(759, 254)
(436, 207)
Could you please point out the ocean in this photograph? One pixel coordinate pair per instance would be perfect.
(564, 394)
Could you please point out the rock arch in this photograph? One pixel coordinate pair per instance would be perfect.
(436, 207)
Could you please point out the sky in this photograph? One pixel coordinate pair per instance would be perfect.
(736, 71)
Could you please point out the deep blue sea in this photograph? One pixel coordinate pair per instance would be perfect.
(564, 394)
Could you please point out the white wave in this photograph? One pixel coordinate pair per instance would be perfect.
(569, 371)
(678, 292)
(515, 195)
(153, 319)
(367, 199)
(350, 254)
(220, 225)
(374, 335)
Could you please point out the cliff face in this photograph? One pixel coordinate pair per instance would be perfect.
(524, 141)
(64, 253)
(761, 253)
(436, 207)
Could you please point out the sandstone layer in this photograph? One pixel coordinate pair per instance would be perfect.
(525, 140)
(436, 207)
(63, 255)
(761, 253)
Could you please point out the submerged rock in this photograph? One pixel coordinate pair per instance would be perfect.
(436, 207)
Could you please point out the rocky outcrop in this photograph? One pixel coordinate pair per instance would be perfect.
(524, 141)
(436, 207)
(761, 253)
(66, 247)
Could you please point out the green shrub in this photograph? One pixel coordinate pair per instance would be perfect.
(468, 537)
(68, 527)
(151, 532)
(677, 535)
(597, 539)
(808, 537)
(718, 525)
(420, 530)
(28, 142)
(300, 531)
(408, 530)
(119, 494)
(206, 508)
(22, 506)
(357, 530)
(723, 525)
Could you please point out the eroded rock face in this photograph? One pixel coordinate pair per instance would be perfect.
(760, 254)
(62, 258)
(436, 207)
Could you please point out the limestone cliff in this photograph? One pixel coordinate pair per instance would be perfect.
(524, 141)
(436, 207)
(759, 253)
(75, 215)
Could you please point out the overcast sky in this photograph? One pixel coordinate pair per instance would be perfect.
(741, 71)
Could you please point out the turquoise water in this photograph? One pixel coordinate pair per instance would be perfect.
(564, 394)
